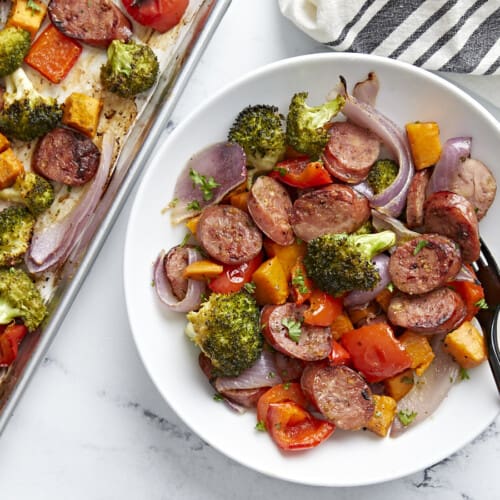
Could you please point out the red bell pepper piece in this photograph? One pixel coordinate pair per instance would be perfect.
(323, 309)
(10, 338)
(301, 173)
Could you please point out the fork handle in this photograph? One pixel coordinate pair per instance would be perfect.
(494, 349)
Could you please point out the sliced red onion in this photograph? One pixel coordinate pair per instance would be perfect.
(263, 373)
(195, 289)
(360, 297)
(392, 200)
(382, 222)
(454, 150)
(431, 388)
(225, 162)
(57, 232)
(367, 90)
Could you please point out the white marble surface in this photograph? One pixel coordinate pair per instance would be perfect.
(92, 426)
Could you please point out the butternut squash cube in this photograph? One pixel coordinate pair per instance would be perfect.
(286, 254)
(425, 144)
(10, 167)
(82, 112)
(399, 385)
(466, 345)
(383, 416)
(341, 324)
(27, 15)
(271, 284)
(202, 270)
(419, 349)
(4, 143)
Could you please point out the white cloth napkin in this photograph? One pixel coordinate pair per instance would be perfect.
(461, 36)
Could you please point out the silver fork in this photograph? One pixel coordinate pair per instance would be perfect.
(489, 275)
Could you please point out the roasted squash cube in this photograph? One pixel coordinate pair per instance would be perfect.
(4, 143)
(271, 284)
(82, 112)
(419, 349)
(399, 385)
(10, 167)
(27, 15)
(466, 345)
(383, 416)
(286, 254)
(425, 144)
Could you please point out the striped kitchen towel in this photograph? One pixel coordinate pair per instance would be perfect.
(460, 36)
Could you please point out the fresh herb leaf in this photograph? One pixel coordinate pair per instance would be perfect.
(294, 328)
(390, 287)
(481, 303)
(206, 185)
(185, 240)
(218, 397)
(421, 244)
(406, 417)
(260, 426)
(249, 287)
(298, 281)
(31, 4)
(464, 374)
(282, 171)
(194, 205)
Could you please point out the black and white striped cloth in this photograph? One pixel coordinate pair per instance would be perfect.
(460, 36)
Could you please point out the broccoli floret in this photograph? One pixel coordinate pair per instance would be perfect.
(27, 114)
(305, 125)
(14, 45)
(20, 299)
(382, 175)
(258, 129)
(131, 68)
(16, 228)
(226, 328)
(339, 263)
(32, 190)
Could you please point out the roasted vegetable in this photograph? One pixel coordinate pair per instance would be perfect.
(14, 45)
(382, 175)
(226, 328)
(16, 228)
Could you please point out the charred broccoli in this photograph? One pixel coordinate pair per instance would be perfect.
(27, 114)
(258, 129)
(32, 190)
(20, 299)
(226, 328)
(14, 45)
(382, 175)
(339, 263)
(305, 125)
(16, 228)
(131, 68)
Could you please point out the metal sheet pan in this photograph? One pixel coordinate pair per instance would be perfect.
(131, 161)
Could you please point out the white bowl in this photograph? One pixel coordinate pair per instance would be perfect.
(346, 459)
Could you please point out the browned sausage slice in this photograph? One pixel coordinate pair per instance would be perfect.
(174, 263)
(452, 215)
(97, 23)
(439, 311)
(350, 152)
(424, 263)
(314, 342)
(416, 198)
(340, 394)
(228, 234)
(66, 156)
(336, 208)
(270, 205)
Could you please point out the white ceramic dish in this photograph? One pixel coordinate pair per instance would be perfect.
(346, 459)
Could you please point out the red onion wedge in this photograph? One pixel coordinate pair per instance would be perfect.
(360, 297)
(454, 150)
(430, 390)
(392, 200)
(163, 288)
(57, 231)
(382, 222)
(223, 163)
(367, 89)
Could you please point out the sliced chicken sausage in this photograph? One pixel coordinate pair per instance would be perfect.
(314, 342)
(452, 215)
(336, 208)
(350, 152)
(228, 234)
(416, 198)
(424, 263)
(270, 206)
(340, 394)
(96, 23)
(66, 156)
(174, 263)
(439, 311)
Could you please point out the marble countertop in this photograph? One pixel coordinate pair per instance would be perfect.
(91, 425)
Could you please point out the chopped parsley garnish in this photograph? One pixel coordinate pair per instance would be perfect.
(390, 287)
(194, 205)
(261, 426)
(421, 244)
(406, 417)
(206, 184)
(464, 374)
(282, 171)
(294, 328)
(249, 287)
(298, 281)
(481, 303)
(31, 4)
(218, 397)
(185, 240)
